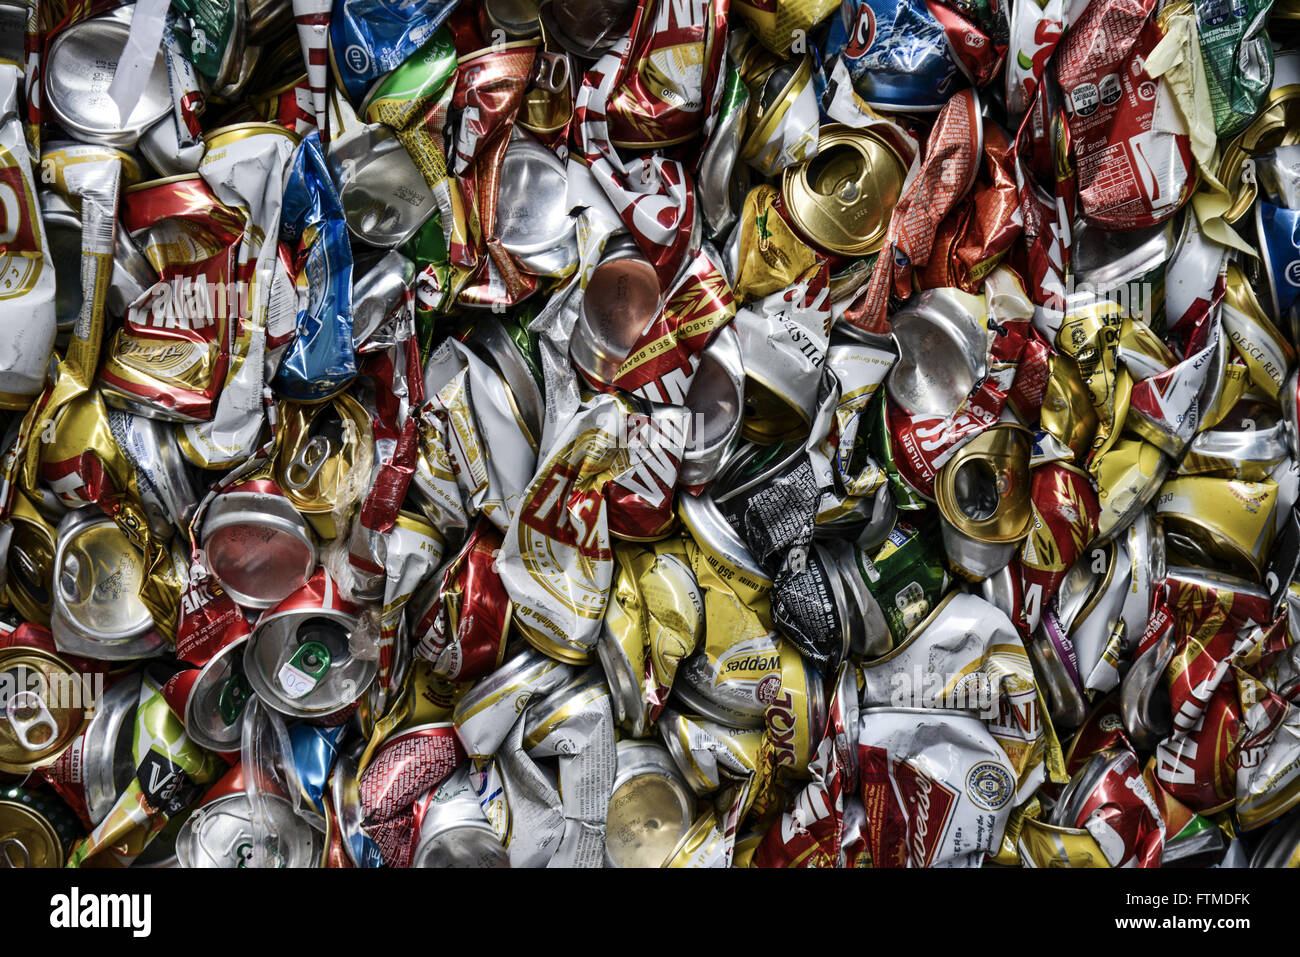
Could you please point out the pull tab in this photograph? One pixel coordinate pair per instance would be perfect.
(234, 695)
(551, 72)
(27, 712)
(306, 465)
(10, 847)
(301, 673)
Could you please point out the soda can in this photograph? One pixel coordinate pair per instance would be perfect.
(533, 221)
(257, 545)
(650, 809)
(98, 575)
(210, 699)
(709, 754)
(452, 829)
(44, 708)
(842, 198)
(298, 659)
(484, 716)
(1220, 521)
(220, 831)
(716, 399)
(621, 299)
(323, 449)
(80, 65)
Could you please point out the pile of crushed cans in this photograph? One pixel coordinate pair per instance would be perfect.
(677, 433)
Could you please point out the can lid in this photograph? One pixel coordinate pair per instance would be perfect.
(98, 574)
(27, 839)
(650, 807)
(45, 704)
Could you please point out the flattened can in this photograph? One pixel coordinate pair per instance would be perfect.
(621, 299)
(385, 197)
(650, 809)
(220, 831)
(298, 659)
(323, 449)
(29, 562)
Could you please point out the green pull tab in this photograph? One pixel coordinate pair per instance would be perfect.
(234, 695)
(304, 670)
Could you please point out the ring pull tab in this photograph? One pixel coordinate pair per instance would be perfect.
(551, 72)
(306, 465)
(235, 693)
(27, 713)
(11, 846)
(302, 672)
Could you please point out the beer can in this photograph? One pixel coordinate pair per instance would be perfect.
(1050, 845)
(716, 399)
(220, 831)
(378, 297)
(650, 809)
(708, 754)
(298, 659)
(506, 355)
(586, 28)
(533, 222)
(44, 708)
(1220, 521)
(324, 447)
(210, 699)
(983, 495)
(941, 352)
(161, 146)
(98, 575)
(385, 197)
(453, 831)
(256, 544)
(29, 562)
(841, 199)
(570, 699)
(107, 754)
(80, 65)
(621, 299)
(486, 713)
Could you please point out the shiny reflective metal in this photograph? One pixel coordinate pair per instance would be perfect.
(533, 221)
(942, 353)
(97, 578)
(285, 645)
(80, 64)
(385, 197)
(257, 545)
(650, 807)
(587, 28)
(621, 299)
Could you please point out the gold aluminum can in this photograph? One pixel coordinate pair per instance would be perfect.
(27, 839)
(48, 705)
(323, 449)
(842, 198)
(1046, 845)
(1226, 520)
(983, 490)
(31, 562)
(1277, 124)
(767, 418)
(225, 135)
(1067, 413)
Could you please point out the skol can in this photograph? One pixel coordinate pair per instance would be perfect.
(299, 660)
(650, 809)
(45, 708)
(98, 574)
(257, 545)
(452, 829)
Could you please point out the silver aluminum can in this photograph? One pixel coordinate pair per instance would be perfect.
(533, 221)
(107, 759)
(80, 64)
(453, 830)
(298, 659)
(220, 833)
(622, 298)
(97, 611)
(501, 350)
(486, 713)
(716, 399)
(377, 297)
(650, 808)
(257, 545)
(162, 473)
(941, 353)
(385, 197)
(161, 145)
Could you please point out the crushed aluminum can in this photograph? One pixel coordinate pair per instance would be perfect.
(842, 198)
(585, 28)
(40, 718)
(716, 401)
(1219, 522)
(941, 352)
(650, 807)
(299, 658)
(709, 754)
(452, 830)
(98, 575)
(621, 299)
(220, 831)
(29, 562)
(256, 544)
(385, 198)
(92, 773)
(76, 93)
(533, 222)
(323, 448)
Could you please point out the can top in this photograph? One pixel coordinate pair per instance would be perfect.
(98, 574)
(27, 839)
(45, 705)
